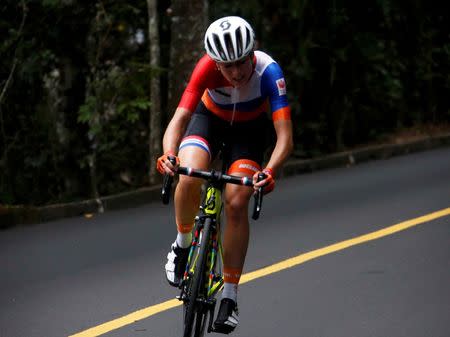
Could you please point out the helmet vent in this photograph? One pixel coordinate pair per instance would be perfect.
(229, 46)
(248, 39)
(239, 43)
(219, 47)
(210, 48)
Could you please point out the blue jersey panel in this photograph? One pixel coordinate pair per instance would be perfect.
(273, 86)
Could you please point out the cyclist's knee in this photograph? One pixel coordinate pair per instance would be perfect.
(189, 185)
(195, 157)
(236, 202)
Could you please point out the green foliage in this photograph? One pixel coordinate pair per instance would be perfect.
(116, 125)
(354, 70)
(79, 73)
(116, 101)
(78, 83)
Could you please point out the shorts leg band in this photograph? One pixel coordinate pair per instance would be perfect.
(245, 166)
(196, 141)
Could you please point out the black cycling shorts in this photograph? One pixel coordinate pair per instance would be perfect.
(242, 140)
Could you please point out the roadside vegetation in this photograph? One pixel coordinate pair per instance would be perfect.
(86, 88)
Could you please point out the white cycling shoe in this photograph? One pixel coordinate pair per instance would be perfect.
(176, 264)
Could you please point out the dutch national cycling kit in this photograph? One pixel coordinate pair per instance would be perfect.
(235, 115)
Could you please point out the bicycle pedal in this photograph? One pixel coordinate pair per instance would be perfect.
(181, 297)
(211, 302)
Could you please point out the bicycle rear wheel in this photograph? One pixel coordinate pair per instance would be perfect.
(195, 311)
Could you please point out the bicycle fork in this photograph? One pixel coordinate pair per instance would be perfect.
(212, 281)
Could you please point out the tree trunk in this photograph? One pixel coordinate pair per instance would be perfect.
(155, 120)
(5, 85)
(189, 20)
(94, 123)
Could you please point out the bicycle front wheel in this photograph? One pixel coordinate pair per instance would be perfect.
(195, 311)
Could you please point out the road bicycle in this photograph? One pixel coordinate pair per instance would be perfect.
(203, 276)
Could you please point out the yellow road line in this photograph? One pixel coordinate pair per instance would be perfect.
(289, 263)
(128, 319)
(277, 267)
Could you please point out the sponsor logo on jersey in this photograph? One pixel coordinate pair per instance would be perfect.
(281, 85)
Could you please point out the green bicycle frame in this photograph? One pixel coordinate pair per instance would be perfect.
(212, 207)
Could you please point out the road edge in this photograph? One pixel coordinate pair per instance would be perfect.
(11, 216)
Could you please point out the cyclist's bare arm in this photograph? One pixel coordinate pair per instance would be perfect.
(172, 138)
(175, 130)
(284, 144)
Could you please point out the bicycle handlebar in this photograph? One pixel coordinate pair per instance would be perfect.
(214, 176)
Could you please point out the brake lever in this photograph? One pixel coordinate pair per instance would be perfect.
(167, 183)
(257, 205)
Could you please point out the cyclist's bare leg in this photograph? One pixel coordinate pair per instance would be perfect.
(236, 235)
(187, 199)
(187, 193)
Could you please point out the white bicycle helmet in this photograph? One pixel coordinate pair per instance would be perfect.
(229, 39)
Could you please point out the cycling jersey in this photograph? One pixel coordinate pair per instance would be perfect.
(265, 90)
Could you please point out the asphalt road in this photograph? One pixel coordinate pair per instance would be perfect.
(64, 277)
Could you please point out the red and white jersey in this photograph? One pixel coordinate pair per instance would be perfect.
(265, 91)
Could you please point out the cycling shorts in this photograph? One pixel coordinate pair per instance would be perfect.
(245, 142)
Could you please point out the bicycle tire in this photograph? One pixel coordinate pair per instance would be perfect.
(200, 322)
(194, 311)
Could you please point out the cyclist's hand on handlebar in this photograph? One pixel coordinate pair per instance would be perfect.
(164, 165)
(268, 183)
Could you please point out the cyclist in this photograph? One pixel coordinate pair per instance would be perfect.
(230, 93)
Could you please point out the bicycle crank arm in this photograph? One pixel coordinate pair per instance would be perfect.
(211, 315)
